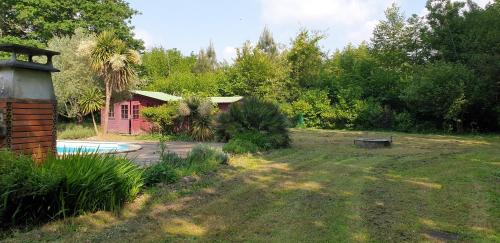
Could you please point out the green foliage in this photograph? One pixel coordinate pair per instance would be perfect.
(240, 146)
(111, 60)
(65, 186)
(258, 74)
(164, 171)
(254, 116)
(74, 131)
(164, 117)
(372, 115)
(41, 20)
(266, 43)
(201, 159)
(306, 59)
(170, 72)
(436, 92)
(199, 113)
(189, 84)
(160, 63)
(404, 122)
(92, 100)
(389, 38)
(206, 61)
(75, 74)
(314, 105)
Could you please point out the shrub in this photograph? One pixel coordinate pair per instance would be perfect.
(254, 116)
(66, 186)
(164, 116)
(437, 93)
(162, 172)
(315, 107)
(171, 167)
(372, 115)
(240, 146)
(404, 122)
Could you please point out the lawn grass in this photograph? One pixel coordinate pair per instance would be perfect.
(424, 188)
(85, 131)
(75, 131)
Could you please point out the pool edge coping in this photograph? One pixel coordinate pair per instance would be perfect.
(132, 146)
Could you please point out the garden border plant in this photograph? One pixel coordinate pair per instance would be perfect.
(64, 186)
(201, 159)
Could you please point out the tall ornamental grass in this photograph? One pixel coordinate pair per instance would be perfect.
(64, 186)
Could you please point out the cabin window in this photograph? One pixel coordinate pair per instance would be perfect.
(111, 113)
(135, 111)
(124, 110)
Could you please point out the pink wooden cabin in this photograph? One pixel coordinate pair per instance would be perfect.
(125, 116)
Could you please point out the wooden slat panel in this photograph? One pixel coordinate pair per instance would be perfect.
(32, 123)
(32, 117)
(31, 134)
(34, 150)
(32, 111)
(31, 140)
(31, 128)
(32, 106)
(31, 145)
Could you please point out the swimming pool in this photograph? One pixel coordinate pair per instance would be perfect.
(68, 147)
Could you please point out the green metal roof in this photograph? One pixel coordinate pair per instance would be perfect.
(231, 99)
(157, 95)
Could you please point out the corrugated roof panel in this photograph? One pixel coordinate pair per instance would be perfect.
(157, 95)
(231, 99)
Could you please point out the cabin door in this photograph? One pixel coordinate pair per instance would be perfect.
(135, 117)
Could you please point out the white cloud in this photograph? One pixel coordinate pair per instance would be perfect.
(145, 36)
(349, 20)
(149, 39)
(345, 12)
(363, 33)
(229, 53)
(482, 3)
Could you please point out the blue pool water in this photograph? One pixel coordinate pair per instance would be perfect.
(65, 147)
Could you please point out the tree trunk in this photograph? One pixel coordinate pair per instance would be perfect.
(95, 125)
(106, 108)
(79, 119)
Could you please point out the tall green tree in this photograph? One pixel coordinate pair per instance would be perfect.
(74, 74)
(266, 43)
(113, 62)
(41, 20)
(161, 63)
(306, 59)
(446, 28)
(389, 39)
(207, 60)
(255, 73)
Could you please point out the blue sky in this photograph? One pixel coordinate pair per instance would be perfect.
(189, 25)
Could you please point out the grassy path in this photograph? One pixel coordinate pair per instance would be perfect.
(425, 188)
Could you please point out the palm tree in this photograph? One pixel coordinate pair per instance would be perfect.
(92, 100)
(113, 61)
